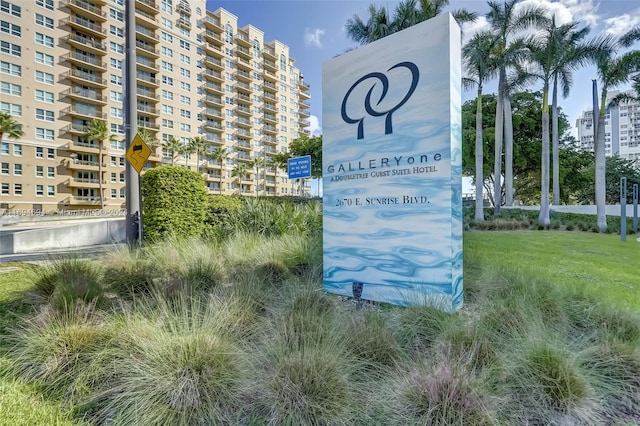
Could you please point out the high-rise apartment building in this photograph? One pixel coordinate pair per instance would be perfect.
(198, 74)
(622, 129)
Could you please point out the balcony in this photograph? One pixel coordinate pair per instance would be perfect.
(242, 121)
(147, 109)
(213, 62)
(214, 49)
(213, 100)
(269, 140)
(269, 129)
(211, 22)
(214, 113)
(74, 128)
(83, 183)
(243, 51)
(146, 34)
(84, 165)
(149, 19)
(269, 95)
(141, 92)
(85, 26)
(84, 201)
(270, 75)
(243, 75)
(269, 52)
(244, 86)
(147, 6)
(270, 118)
(146, 63)
(213, 37)
(86, 43)
(303, 86)
(267, 106)
(304, 95)
(243, 110)
(85, 77)
(212, 87)
(213, 139)
(270, 65)
(85, 61)
(213, 126)
(244, 98)
(147, 48)
(148, 79)
(213, 75)
(83, 113)
(242, 38)
(91, 148)
(183, 23)
(243, 156)
(302, 106)
(84, 8)
(148, 125)
(84, 95)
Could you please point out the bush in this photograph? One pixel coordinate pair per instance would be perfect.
(67, 280)
(221, 210)
(174, 202)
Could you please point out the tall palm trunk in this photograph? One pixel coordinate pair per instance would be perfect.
(508, 151)
(497, 169)
(555, 150)
(220, 188)
(100, 175)
(543, 218)
(479, 216)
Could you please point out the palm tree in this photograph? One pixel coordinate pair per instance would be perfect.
(479, 61)
(199, 145)
(97, 130)
(572, 55)
(9, 127)
(220, 155)
(239, 172)
(172, 145)
(406, 14)
(258, 162)
(505, 22)
(186, 150)
(612, 71)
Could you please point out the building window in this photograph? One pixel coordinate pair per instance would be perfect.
(10, 69)
(168, 124)
(44, 134)
(167, 95)
(167, 80)
(4, 168)
(47, 4)
(17, 150)
(167, 37)
(39, 152)
(17, 169)
(10, 89)
(10, 28)
(39, 190)
(185, 45)
(185, 72)
(4, 148)
(184, 127)
(51, 172)
(115, 79)
(185, 86)
(114, 177)
(116, 47)
(10, 8)
(51, 153)
(114, 193)
(167, 109)
(115, 96)
(44, 96)
(228, 33)
(186, 100)
(121, 177)
(117, 129)
(44, 40)
(51, 191)
(118, 32)
(167, 52)
(11, 109)
(5, 188)
(44, 77)
(10, 48)
(116, 112)
(167, 23)
(167, 66)
(44, 114)
(185, 113)
(122, 193)
(117, 15)
(44, 59)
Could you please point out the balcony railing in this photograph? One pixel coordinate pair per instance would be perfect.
(88, 94)
(85, 112)
(84, 23)
(147, 93)
(86, 6)
(87, 41)
(147, 47)
(85, 58)
(146, 31)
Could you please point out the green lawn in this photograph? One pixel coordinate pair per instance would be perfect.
(598, 263)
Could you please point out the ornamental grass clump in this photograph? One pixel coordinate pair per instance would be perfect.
(174, 362)
(61, 351)
(370, 339)
(69, 279)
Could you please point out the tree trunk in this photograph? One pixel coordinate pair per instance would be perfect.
(497, 170)
(479, 216)
(508, 151)
(220, 177)
(100, 175)
(543, 218)
(555, 150)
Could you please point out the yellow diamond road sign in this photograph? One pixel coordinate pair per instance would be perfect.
(138, 153)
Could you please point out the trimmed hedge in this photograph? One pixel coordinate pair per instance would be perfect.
(174, 201)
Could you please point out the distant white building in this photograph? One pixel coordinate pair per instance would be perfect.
(622, 129)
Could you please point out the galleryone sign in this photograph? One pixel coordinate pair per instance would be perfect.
(392, 160)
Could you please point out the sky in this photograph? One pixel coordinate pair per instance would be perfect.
(314, 30)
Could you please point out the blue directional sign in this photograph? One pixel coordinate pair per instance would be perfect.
(299, 167)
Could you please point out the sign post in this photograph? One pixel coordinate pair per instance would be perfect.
(137, 154)
(392, 168)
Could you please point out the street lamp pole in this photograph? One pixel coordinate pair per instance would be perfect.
(130, 124)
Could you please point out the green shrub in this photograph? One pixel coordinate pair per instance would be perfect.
(221, 211)
(370, 339)
(174, 202)
(69, 279)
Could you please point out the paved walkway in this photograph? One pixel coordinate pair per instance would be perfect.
(612, 210)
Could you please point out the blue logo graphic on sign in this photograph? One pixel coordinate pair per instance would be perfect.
(299, 167)
(388, 126)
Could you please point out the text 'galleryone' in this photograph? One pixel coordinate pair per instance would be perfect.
(383, 162)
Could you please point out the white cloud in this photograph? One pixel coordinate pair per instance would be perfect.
(471, 28)
(314, 126)
(620, 25)
(312, 37)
